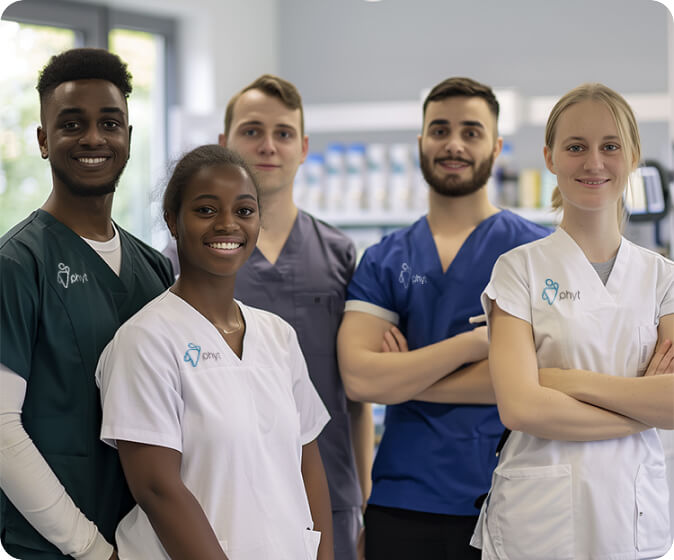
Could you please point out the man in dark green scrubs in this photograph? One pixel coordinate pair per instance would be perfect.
(69, 278)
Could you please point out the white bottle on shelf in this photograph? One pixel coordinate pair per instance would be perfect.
(355, 178)
(376, 188)
(334, 178)
(400, 167)
(300, 187)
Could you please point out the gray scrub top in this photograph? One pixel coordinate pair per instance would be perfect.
(307, 287)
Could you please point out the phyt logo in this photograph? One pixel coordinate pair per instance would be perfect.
(406, 277)
(66, 278)
(192, 354)
(551, 293)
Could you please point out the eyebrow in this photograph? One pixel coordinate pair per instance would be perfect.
(583, 139)
(477, 124)
(260, 123)
(78, 111)
(213, 197)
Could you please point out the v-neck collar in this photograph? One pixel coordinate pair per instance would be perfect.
(616, 277)
(437, 262)
(291, 246)
(248, 333)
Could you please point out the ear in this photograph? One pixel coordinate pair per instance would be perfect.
(42, 142)
(547, 154)
(170, 220)
(222, 140)
(498, 146)
(305, 148)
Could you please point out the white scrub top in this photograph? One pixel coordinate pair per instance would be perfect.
(168, 378)
(560, 500)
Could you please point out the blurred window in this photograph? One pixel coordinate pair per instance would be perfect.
(30, 33)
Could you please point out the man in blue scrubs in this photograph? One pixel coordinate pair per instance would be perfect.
(299, 270)
(69, 277)
(406, 340)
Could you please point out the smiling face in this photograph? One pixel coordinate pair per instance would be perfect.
(268, 136)
(588, 158)
(86, 135)
(458, 145)
(218, 221)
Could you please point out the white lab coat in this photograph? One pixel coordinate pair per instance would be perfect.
(559, 500)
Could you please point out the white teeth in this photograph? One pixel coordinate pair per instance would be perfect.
(91, 160)
(593, 182)
(225, 245)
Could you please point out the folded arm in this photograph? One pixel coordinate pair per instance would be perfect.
(470, 384)
(527, 406)
(373, 375)
(648, 399)
(176, 516)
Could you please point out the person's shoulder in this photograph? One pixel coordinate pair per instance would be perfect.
(649, 255)
(328, 233)
(24, 246)
(149, 318)
(519, 225)
(146, 252)
(23, 236)
(399, 238)
(266, 321)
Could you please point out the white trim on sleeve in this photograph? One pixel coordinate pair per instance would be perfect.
(372, 309)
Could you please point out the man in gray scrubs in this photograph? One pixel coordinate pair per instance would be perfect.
(300, 270)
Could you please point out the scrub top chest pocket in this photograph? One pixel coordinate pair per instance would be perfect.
(318, 315)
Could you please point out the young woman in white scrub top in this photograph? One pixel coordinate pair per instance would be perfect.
(582, 475)
(209, 401)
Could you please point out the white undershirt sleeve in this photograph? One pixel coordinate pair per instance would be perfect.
(33, 488)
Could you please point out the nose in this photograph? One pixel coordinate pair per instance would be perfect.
(92, 137)
(267, 146)
(226, 222)
(454, 145)
(594, 160)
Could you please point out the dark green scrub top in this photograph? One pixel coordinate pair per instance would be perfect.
(60, 304)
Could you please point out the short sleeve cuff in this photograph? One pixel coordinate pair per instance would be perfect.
(314, 432)
(372, 309)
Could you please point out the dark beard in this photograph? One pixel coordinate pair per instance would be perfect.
(81, 189)
(451, 185)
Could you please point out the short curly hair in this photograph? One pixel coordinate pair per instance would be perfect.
(84, 64)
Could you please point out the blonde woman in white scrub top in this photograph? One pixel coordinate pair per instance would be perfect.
(582, 475)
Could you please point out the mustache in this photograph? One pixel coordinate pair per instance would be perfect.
(450, 158)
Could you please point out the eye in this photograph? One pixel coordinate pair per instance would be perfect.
(284, 134)
(71, 125)
(611, 147)
(438, 132)
(245, 211)
(251, 132)
(575, 148)
(472, 133)
(204, 210)
(111, 125)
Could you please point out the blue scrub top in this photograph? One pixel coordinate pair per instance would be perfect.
(433, 457)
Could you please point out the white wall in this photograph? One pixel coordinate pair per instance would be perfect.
(223, 45)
